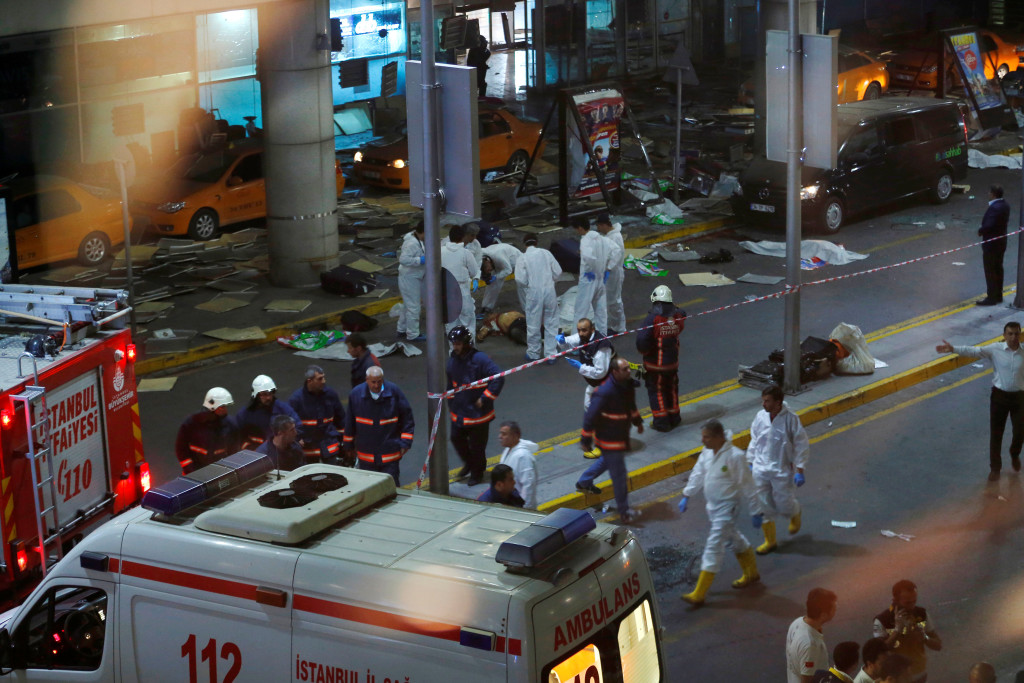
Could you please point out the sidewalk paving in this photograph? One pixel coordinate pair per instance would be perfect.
(907, 347)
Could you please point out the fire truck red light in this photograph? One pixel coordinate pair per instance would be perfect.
(130, 352)
(22, 560)
(6, 419)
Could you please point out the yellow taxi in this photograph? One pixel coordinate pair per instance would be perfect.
(202, 193)
(55, 219)
(859, 77)
(916, 67)
(506, 143)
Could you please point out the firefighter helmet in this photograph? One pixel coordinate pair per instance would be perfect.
(662, 293)
(461, 333)
(41, 346)
(262, 383)
(217, 397)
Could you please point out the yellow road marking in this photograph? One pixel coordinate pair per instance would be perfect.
(897, 243)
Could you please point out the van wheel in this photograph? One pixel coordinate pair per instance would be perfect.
(204, 225)
(517, 162)
(873, 92)
(942, 188)
(832, 215)
(93, 249)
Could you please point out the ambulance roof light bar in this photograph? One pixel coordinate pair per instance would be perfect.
(184, 492)
(544, 538)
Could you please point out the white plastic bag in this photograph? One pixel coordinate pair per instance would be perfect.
(859, 361)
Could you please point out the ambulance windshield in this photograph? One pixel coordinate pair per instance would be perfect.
(623, 652)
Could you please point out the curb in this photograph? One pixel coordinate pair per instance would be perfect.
(679, 232)
(167, 361)
(684, 462)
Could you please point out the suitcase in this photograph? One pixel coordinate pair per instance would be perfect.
(567, 253)
(347, 281)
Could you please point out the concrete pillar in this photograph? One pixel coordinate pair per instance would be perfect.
(298, 135)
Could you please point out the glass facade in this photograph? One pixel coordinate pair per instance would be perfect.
(373, 31)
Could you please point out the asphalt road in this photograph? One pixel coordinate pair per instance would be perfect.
(916, 467)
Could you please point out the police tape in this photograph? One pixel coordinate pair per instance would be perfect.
(774, 295)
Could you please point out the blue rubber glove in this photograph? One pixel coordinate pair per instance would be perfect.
(491, 279)
(423, 260)
(798, 479)
(682, 503)
(757, 520)
(575, 363)
(475, 286)
(560, 338)
(589, 277)
(606, 274)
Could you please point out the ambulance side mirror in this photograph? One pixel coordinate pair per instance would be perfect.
(6, 652)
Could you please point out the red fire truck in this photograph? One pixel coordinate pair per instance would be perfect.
(70, 440)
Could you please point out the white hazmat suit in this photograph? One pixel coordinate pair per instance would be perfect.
(458, 261)
(411, 270)
(777, 448)
(616, 274)
(521, 459)
(726, 480)
(536, 273)
(590, 294)
(504, 257)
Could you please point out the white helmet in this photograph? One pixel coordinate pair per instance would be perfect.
(262, 383)
(662, 293)
(217, 397)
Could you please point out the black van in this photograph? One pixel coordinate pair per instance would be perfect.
(888, 148)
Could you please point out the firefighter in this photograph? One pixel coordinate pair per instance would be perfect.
(253, 421)
(379, 428)
(658, 341)
(321, 417)
(595, 351)
(209, 435)
(471, 410)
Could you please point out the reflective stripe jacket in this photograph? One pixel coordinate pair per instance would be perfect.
(611, 413)
(321, 420)
(360, 366)
(378, 428)
(203, 438)
(660, 344)
(253, 421)
(465, 369)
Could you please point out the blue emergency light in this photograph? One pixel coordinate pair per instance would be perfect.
(206, 482)
(544, 538)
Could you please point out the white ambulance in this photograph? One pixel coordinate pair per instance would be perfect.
(241, 573)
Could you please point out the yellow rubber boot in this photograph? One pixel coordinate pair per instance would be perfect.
(769, 538)
(749, 565)
(794, 523)
(703, 584)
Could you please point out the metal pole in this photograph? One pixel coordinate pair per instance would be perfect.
(436, 344)
(127, 222)
(1018, 297)
(791, 379)
(679, 126)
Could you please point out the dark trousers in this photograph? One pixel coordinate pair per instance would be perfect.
(663, 393)
(386, 467)
(993, 263)
(471, 445)
(1001, 405)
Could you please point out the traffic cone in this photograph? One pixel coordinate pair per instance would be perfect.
(749, 565)
(703, 584)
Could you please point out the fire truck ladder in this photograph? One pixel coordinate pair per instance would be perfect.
(33, 400)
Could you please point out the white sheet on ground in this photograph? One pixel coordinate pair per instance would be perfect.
(836, 254)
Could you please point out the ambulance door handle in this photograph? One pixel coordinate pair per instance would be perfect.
(271, 596)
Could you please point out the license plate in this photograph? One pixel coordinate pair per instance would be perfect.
(763, 208)
(374, 175)
(904, 77)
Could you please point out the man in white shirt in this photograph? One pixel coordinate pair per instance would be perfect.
(777, 454)
(499, 261)
(595, 351)
(519, 455)
(412, 267)
(872, 654)
(458, 261)
(616, 272)
(721, 473)
(590, 292)
(1007, 398)
(805, 642)
(537, 271)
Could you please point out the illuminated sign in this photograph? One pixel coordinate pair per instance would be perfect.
(364, 23)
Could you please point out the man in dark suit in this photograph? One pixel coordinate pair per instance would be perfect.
(993, 225)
